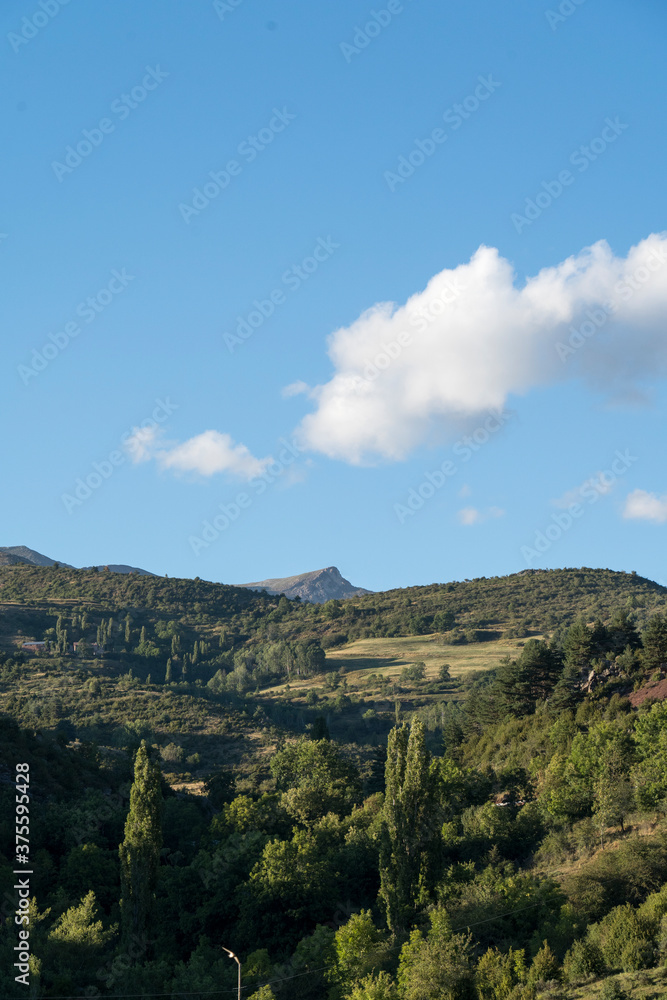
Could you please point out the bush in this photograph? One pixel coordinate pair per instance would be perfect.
(333, 639)
(414, 673)
(172, 753)
(612, 990)
(582, 962)
(545, 967)
(625, 939)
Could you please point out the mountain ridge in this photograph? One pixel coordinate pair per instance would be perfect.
(316, 586)
(17, 555)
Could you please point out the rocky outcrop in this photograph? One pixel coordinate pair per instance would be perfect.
(318, 586)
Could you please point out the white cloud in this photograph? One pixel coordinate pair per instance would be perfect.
(470, 515)
(409, 374)
(465, 491)
(206, 454)
(643, 506)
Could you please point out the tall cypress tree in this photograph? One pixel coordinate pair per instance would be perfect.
(140, 850)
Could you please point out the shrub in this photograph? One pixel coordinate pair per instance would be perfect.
(612, 990)
(545, 966)
(415, 672)
(582, 962)
(333, 639)
(172, 753)
(625, 939)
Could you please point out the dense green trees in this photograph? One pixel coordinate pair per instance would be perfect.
(345, 872)
(315, 779)
(438, 964)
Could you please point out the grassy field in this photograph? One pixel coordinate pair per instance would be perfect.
(389, 656)
(364, 658)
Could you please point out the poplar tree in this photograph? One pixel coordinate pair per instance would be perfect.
(410, 823)
(140, 850)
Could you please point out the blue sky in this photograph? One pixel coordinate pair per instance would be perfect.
(215, 409)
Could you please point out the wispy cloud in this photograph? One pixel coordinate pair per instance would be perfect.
(471, 515)
(600, 483)
(297, 388)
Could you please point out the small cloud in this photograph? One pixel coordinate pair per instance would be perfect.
(206, 454)
(295, 389)
(465, 491)
(597, 483)
(643, 506)
(470, 515)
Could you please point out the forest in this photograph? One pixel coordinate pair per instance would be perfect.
(487, 835)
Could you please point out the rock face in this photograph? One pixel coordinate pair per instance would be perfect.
(317, 587)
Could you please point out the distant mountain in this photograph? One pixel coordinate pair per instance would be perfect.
(121, 568)
(12, 555)
(317, 587)
(15, 555)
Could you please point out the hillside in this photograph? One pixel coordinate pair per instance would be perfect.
(533, 602)
(273, 728)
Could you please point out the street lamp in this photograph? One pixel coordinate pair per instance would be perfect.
(232, 955)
